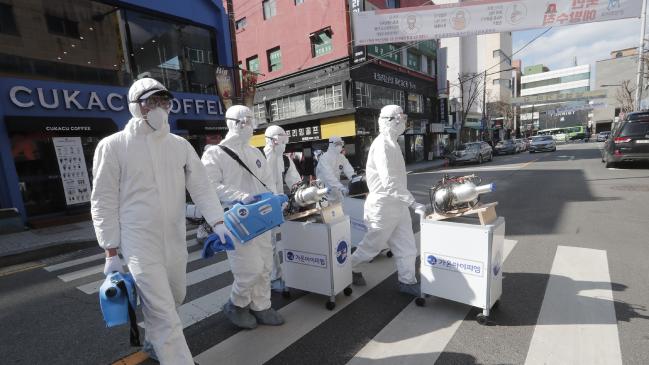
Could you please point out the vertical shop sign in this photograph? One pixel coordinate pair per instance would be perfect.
(359, 52)
(72, 165)
(225, 85)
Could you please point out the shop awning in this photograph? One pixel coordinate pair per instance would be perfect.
(450, 130)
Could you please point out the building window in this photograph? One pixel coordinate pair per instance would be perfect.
(175, 53)
(415, 103)
(318, 101)
(374, 96)
(274, 59)
(7, 20)
(556, 80)
(388, 52)
(414, 61)
(240, 24)
(392, 4)
(270, 8)
(259, 111)
(321, 42)
(298, 2)
(619, 54)
(195, 55)
(252, 64)
(62, 26)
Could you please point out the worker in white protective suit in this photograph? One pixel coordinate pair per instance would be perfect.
(252, 262)
(330, 165)
(386, 208)
(138, 206)
(284, 172)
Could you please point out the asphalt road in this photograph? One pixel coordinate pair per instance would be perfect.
(550, 201)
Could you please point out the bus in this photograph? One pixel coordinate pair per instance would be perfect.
(558, 134)
(576, 133)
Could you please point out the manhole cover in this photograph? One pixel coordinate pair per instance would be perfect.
(631, 188)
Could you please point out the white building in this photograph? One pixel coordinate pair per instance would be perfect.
(565, 80)
(472, 55)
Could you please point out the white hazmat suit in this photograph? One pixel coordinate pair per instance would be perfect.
(251, 263)
(138, 205)
(386, 208)
(276, 140)
(330, 165)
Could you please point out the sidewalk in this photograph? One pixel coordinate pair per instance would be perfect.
(426, 165)
(38, 243)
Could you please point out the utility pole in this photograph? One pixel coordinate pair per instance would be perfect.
(235, 57)
(483, 122)
(639, 86)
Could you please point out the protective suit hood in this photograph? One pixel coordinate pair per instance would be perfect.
(140, 89)
(238, 133)
(391, 121)
(275, 132)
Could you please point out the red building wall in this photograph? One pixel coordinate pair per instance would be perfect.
(290, 30)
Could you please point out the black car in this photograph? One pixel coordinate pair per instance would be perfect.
(505, 147)
(629, 141)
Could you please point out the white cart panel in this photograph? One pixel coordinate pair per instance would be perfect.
(316, 256)
(355, 208)
(461, 260)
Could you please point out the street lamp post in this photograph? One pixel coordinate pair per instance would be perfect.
(640, 78)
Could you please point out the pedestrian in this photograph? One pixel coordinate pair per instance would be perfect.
(138, 206)
(331, 165)
(284, 173)
(238, 172)
(386, 208)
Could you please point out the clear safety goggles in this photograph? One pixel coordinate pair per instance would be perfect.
(400, 118)
(155, 101)
(246, 122)
(279, 139)
(339, 144)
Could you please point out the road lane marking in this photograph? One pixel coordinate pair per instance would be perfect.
(14, 269)
(74, 275)
(418, 334)
(302, 316)
(193, 277)
(577, 323)
(133, 359)
(529, 163)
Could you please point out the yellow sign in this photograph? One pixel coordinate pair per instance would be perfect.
(343, 126)
(258, 140)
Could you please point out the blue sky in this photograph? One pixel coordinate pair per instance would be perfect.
(589, 42)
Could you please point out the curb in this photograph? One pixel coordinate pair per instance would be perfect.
(55, 248)
(429, 168)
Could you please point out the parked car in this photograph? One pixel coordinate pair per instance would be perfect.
(603, 136)
(542, 143)
(471, 152)
(505, 147)
(629, 141)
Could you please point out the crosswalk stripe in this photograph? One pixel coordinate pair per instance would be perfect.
(418, 334)
(193, 256)
(193, 277)
(83, 260)
(577, 322)
(302, 315)
(76, 262)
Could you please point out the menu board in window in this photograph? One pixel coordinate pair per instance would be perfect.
(72, 165)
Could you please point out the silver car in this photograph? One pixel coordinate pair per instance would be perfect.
(542, 143)
(471, 152)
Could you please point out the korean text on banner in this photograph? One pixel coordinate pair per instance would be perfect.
(482, 17)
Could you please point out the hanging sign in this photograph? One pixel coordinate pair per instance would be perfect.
(482, 17)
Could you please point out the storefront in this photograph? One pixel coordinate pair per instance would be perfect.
(377, 86)
(66, 68)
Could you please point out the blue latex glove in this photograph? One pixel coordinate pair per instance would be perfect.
(213, 244)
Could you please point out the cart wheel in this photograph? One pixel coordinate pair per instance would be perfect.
(348, 291)
(420, 302)
(286, 294)
(389, 254)
(481, 319)
(330, 305)
(496, 304)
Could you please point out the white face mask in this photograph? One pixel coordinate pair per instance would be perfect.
(246, 132)
(157, 118)
(400, 128)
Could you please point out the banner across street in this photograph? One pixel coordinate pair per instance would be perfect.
(482, 17)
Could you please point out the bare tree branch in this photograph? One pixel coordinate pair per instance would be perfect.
(625, 96)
